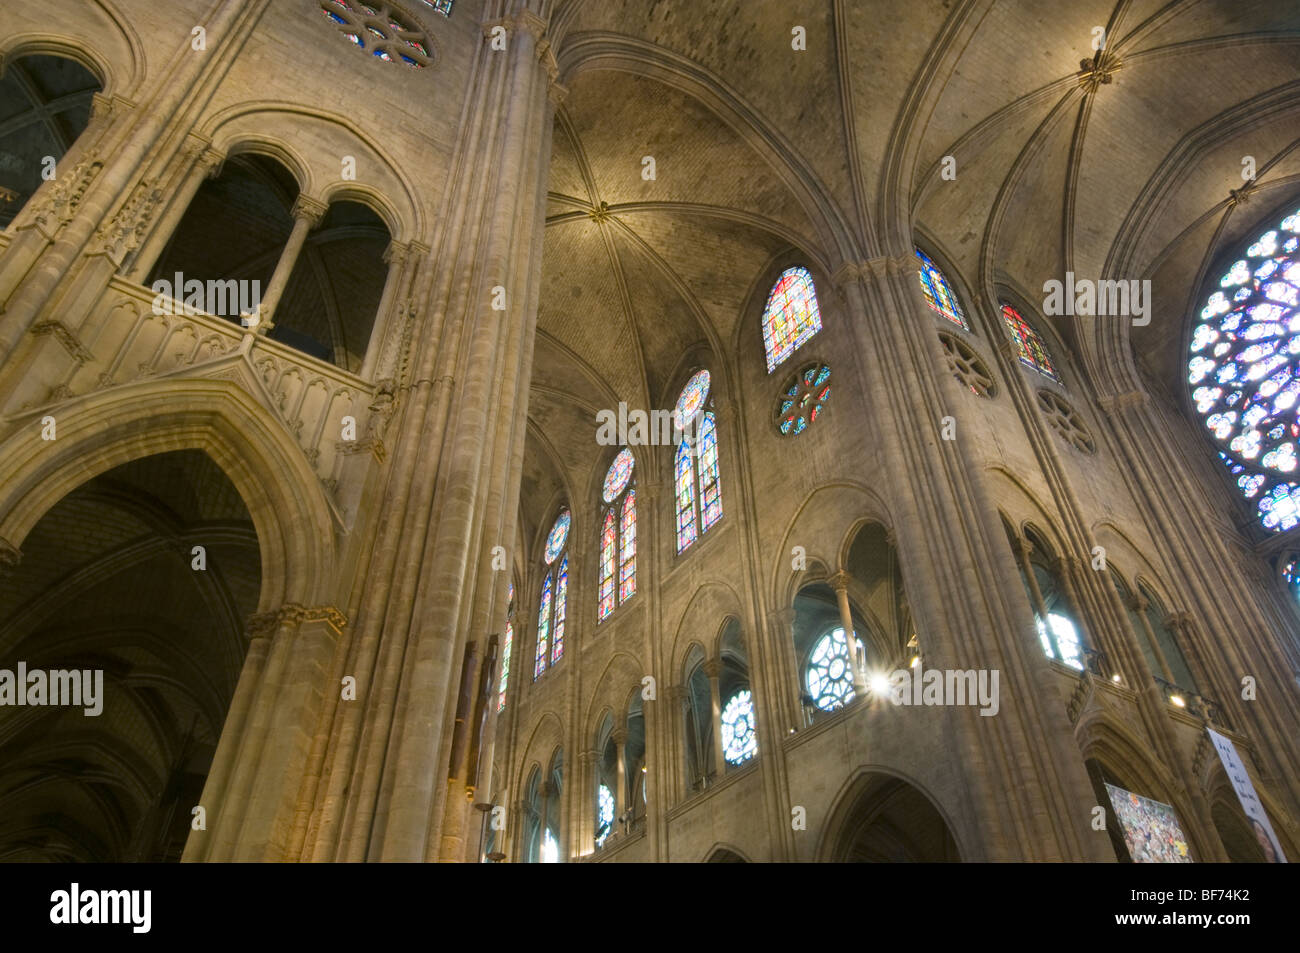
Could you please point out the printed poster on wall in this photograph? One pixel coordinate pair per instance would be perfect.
(1151, 830)
(1255, 813)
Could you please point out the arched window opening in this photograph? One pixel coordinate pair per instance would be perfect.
(553, 605)
(1244, 373)
(542, 809)
(697, 715)
(250, 249)
(1156, 638)
(738, 715)
(635, 769)
(606, 767)
(1054, 617)
(617, 536)
(696, 483)
(791, 316)
(1030, 347)
(826, 678)
(45, 104)
(939, 294)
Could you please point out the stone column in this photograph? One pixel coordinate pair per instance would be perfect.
(713, 669)
(840, 583)
(620, 777)
(1140, 605)
(396, 257)
(252, 792)
(307, 214)
(201, 163)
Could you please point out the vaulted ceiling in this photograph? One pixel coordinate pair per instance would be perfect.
(1121, 166)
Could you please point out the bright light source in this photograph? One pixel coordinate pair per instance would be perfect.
(916, 660)
(1115, 679)
(1178, 700)
(879, 683)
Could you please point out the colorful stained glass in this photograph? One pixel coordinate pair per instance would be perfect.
(692, 398)
(710, 490)
(556, 538)
(684, 479)
(938, 293)
(791, 316)
(604, 814)
(1247, 341)
(1029, 345)
(441, 6)
(620, 471)
(608, 543)
(381, 30)
(739, 739)
(543, 629)
(561, 601)
(829, 676)
(803, 398)
(506, 645)
(627, 548)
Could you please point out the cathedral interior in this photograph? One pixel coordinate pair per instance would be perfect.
(574, 431)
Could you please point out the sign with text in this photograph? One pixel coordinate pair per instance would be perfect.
(1250, 803)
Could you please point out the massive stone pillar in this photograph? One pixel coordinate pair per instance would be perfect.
(428, 584)
(955, 558)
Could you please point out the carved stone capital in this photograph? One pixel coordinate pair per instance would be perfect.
(712, 668)
(313, 210)
(396, 253)
(839, 581)
(1115, 404)
(291, 614)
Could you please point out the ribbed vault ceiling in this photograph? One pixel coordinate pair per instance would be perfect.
(759, 148)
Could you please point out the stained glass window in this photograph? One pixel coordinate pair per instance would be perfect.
(1067, 639)
(691, 399)
(1244, 371)
(618, 535)
(561, 599)
(506, 644)
(684, 479)
(608, 543)
(604, 814)
(829, 676)
(382, 30)
(1029, 345)
(441, 6)
(739, 739)
(697, 490)
(505, 666)
(558, 536)
(627, 548)
(620, 471)
(543, 628)
(791, 316)
(710, 492)
(802, 399)
(939, 295)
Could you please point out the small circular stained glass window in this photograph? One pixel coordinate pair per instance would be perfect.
(559, 533)
(803, 398)
(380, 30)
(693, 396)
(739, 742)
(620, 471)
(829, 677)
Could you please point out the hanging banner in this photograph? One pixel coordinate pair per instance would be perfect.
(1255, 813)
(1151, 830)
